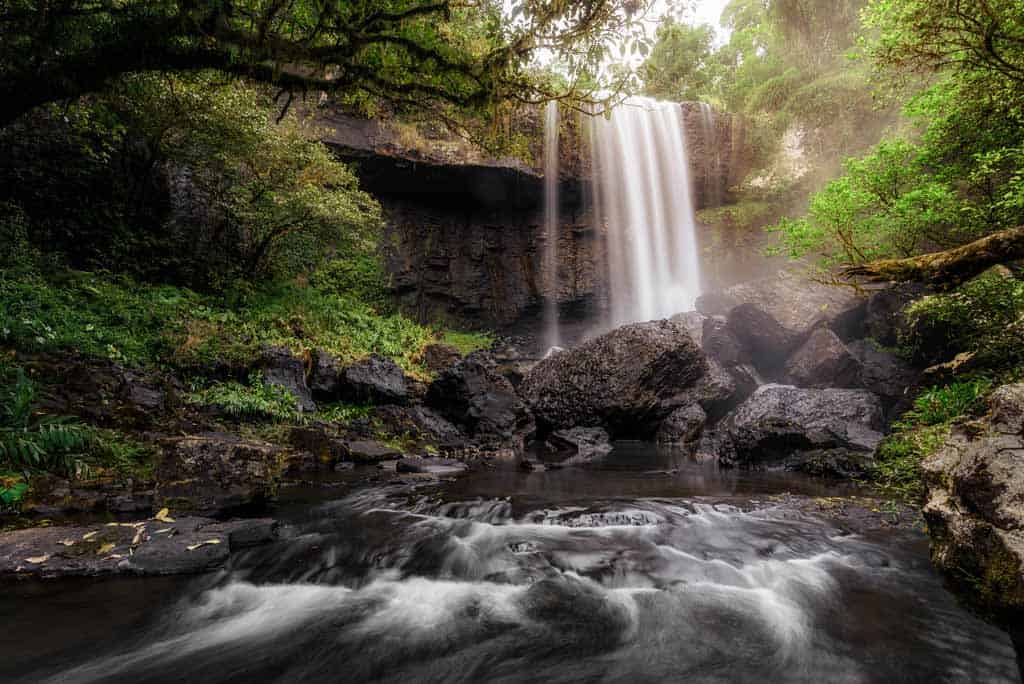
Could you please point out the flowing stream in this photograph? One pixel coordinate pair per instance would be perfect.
(643, 198)
(639, 567)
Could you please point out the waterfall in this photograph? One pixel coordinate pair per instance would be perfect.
(550, 266)
(642, 197)
(712, 152)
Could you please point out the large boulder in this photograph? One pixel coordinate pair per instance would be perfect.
(683, 426)
(473, 395)
(213, 474)
(581, 441)
(885, 374)
(626, 380)
(795, 302)
(767, 341)
(781, 425)
(279, 367)
(324, 379)
(884, 312)
(823, 361)
(375, 380)
(975, 508)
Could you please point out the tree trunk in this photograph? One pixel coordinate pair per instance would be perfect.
(946, 270)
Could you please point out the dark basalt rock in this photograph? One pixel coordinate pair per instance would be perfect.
(767, 342)
(683, 426)
(473, 395)
(375, 380)
(626, 381)
(369, 451)
(720, 344)
(885, 374)
(581, 441)
(823, 361)
(279, 367)
(884, 317)
(183, 545)
(784, 425)
(796, 303)
(975, 508)
(325, 375)
(214, 474)
(438, 357)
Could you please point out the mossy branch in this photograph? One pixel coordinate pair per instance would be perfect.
(948, 268)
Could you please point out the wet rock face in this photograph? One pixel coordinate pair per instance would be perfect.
(884, 317)
(766, 340)
(375, 380)
(683, 426)
(580, 441)
(627, 380)
(151, 547)
(279, 367)
(975, 508)
(797, 304)
(215, 473)
(885, 374)
(823, 361)
(465, 232)
(472, 394)
(781, 425)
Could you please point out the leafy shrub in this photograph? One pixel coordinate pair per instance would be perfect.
(33, 442)
(984, 316)
(897, 465)
(942, 404)
(256, 400)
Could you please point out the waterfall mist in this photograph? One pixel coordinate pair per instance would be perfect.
(642, 195)
(550, 267)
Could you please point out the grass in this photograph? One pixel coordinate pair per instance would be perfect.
(920, 432)
(102, 315)
(253, 401)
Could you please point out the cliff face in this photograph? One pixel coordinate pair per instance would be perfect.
(465, 231)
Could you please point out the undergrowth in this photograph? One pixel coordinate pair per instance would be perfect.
(921, 431)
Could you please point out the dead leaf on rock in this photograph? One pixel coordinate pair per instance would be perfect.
(37, 560)
(193, 547)
(67, 542)
(164, 516)
(106, 548)
(89, 535)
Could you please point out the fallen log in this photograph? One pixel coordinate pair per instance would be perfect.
(949, 268)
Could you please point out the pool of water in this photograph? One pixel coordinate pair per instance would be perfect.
(640, 567)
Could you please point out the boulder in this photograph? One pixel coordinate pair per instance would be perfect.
(975, 507)
(215, 473)
(580, 441)
(279, 367)
(797, 303)
(720, 344)
(787, 426)
(695, 324)
(368, 451)
(325, 376)
(683, 426)
(627, 380)
(374, 380)
(884, 317)
(884, 373)
(823, 361)
(767, 341)
(439, 357)
(473, 395)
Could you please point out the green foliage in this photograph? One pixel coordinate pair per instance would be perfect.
(680, 66)
(921, 431)
(188, 179)
(254, 401)
(342, 413)
(984, 316)
(11, 493)
(886, 205)
(29, 441)
(359, 276)
(467, 342)
(942, 404)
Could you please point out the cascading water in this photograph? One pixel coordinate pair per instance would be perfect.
(713, 152)
(550, 266)
(642, 196)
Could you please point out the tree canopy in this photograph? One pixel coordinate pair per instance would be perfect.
(415, 52)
